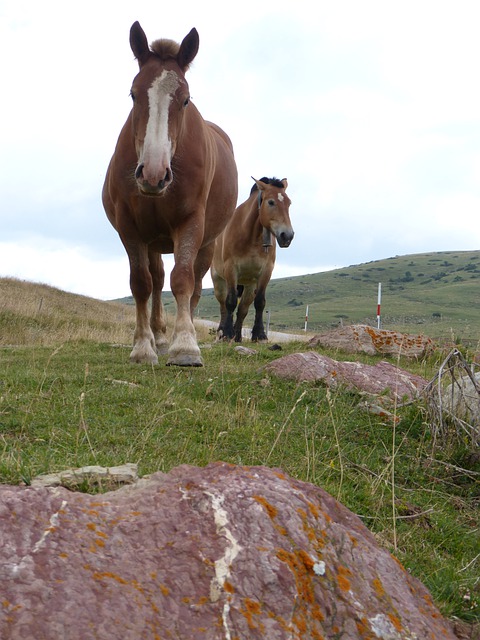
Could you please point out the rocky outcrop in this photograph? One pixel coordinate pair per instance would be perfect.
(382, 379)
(360, 338)
(217, 552)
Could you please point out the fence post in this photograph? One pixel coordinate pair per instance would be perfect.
(378, 304)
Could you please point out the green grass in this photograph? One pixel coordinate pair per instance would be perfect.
(81, 403)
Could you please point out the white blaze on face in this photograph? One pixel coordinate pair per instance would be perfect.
(280, 197)
(157, 146)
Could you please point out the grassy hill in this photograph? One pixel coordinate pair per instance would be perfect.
(431, 293)
(37, 314)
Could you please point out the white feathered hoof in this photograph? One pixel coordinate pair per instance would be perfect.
(184, 351)
(185, 360)
(143, 353)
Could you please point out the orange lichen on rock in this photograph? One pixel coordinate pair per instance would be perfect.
(308, 613)
(314, 509)
(228, 587)
(252, 608)
(269, 508)
(379, 590)
(101, 575)
(353, 540)
(395, 621)
(364, 630)
(306, 559)
(343, 581)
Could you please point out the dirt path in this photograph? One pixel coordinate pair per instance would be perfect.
(273, 336)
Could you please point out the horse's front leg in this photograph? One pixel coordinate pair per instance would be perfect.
(184, 350)
(141, 286)
(258, 330)
(246, 300)
(157, 317)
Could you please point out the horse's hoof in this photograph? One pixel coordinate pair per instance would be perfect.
(185, 360)
(162, 348)
(137, 359)
(144, 352)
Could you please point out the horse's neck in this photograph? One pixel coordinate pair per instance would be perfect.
(253, 225)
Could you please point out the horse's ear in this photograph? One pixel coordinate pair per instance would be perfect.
(259, 183)
(188, 49)
(285, 183)
(139, 43)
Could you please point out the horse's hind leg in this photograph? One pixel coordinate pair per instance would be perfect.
(220, 291)
(200, 268)
(157, 317)
(230, 305)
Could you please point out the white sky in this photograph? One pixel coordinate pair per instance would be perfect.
(370, 109)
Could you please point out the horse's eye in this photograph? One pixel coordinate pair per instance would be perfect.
(271, 202)
(132, 95)
(186, 101)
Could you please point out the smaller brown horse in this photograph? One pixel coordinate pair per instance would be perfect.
(244, 256)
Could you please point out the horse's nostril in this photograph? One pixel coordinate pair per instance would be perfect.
(166, 179)
(139, 171)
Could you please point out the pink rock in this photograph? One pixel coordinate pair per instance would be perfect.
(221, 552)
(380, 379)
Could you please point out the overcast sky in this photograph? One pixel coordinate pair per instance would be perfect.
(370, 109)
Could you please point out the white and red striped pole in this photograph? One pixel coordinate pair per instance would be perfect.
(379, 303)
(306, 318)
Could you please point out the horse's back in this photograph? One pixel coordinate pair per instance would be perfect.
(218, 131)
(223, 192)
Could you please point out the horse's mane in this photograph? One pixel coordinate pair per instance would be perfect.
(273, 181)
(165, 49)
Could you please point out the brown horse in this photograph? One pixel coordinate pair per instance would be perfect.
(244, 256)
(171, 187)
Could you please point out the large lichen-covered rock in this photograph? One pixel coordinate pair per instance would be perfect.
(217, 552)
(359, 338)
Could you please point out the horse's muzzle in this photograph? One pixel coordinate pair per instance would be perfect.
(285, 238)
(150, 186)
